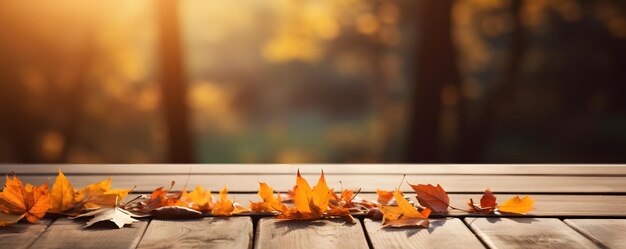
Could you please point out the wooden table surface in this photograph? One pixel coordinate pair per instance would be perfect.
(577, 206)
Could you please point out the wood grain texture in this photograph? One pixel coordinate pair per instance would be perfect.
(213, 232)
(66, 233)
(326, 234)
(610, 233)
(560, 205)
(451, 183)
(528, 233)
(442, 233)
(22, 235)
(330, 169)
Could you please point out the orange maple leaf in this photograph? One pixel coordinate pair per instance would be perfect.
(225, 207)
(17, 200)
(517, 205)
(487, 203)
(432, 197)
(162, 197)
(384, 197)
(198, 199)
(344, 199)
(313, 203)
(268, 203)
(404, 214)
(308, 203)
(348, 200)
(64, 198)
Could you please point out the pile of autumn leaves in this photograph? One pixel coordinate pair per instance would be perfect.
(303, 202)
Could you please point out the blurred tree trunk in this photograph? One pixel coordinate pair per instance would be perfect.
(435, 67)
(173, 83)
(76, 96)
(16, 125)
(474, 137)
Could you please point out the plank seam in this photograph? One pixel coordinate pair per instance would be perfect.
(143, 233)
(370, 244)
(476, 233)
(588, 236)
(42, 232)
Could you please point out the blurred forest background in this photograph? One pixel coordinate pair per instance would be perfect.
(313, 81)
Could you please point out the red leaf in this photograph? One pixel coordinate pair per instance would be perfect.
(487, 203)
(432, 197)
(488, 200)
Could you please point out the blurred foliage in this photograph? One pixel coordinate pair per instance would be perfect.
(317, 81)
(305, 80)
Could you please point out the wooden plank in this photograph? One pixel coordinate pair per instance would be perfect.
(442, 233)
(326, 234)
(606, 232)
(451, 183)
(22, 235)
(213, 232)
(527, 233)
(564, 205)
(66, 233)
(330, 169)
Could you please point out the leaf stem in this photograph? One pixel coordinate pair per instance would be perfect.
(400, 185)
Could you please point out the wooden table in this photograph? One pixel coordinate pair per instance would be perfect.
(577, 206)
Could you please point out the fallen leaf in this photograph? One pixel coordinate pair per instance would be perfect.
(24, 200)
(161, 197)
(488, 200)
(199, 199)
(347, 196)
(340, 212)
(487, 203)
(268, 203)
(116, 215)
(517, 205)
(321, 196)
(384, 197)
(349, 200)
(100, 194)
(65, 199)
(313, 203)
(225, 207)
(404, 214)
(343, 200)
(303, 201)
(62, 195)
(175, 212)
(434, 198)
(8, 219)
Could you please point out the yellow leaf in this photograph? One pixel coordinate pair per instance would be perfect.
(517, 205)
(404, 214)
(99, 194)
(407, 209)
(62, 195)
